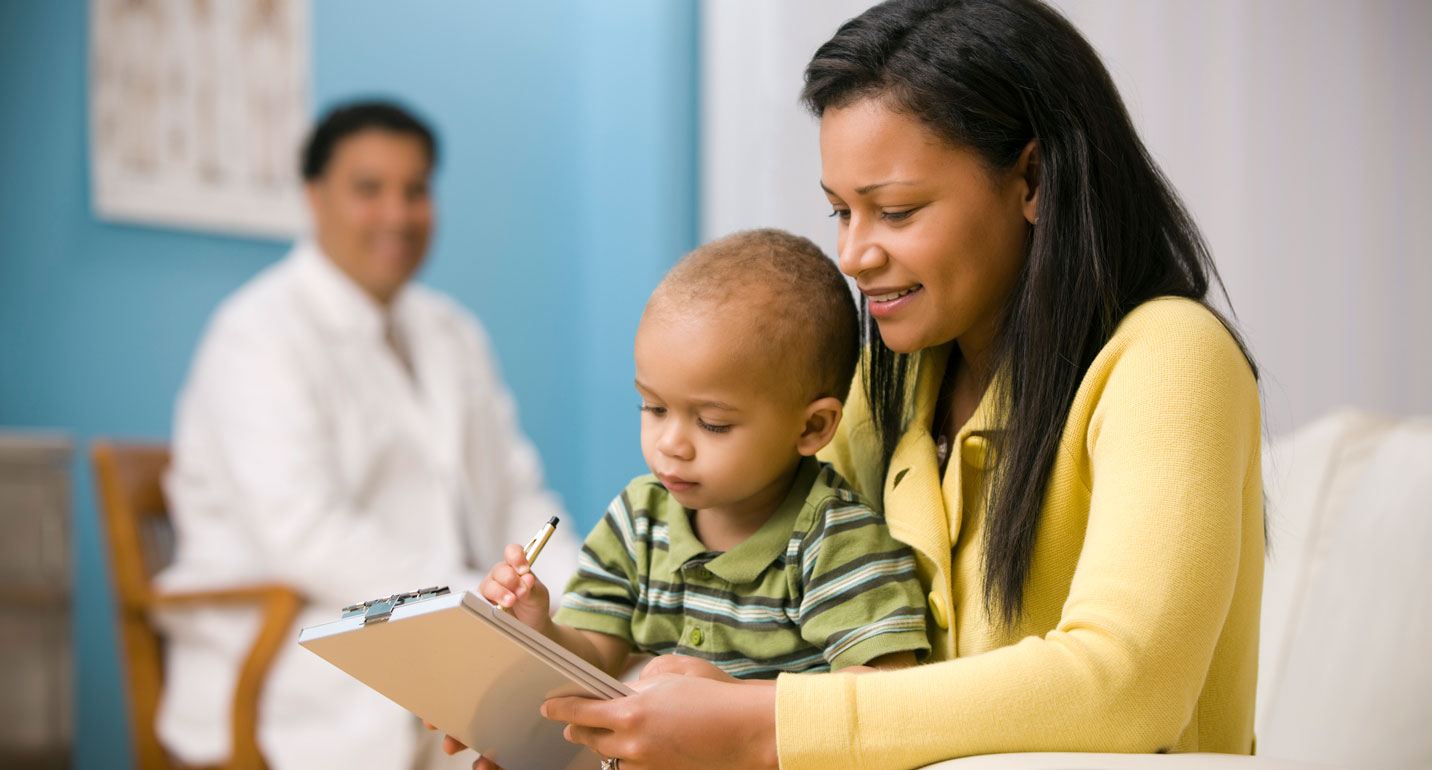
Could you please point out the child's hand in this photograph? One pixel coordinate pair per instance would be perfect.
(685, 666)
(512, 586)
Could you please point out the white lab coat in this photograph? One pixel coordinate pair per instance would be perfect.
(306, 454)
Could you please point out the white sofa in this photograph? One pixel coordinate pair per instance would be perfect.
(1345, 668)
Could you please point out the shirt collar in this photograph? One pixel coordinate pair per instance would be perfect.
(752, 556)
(340, 301)
(682, 543)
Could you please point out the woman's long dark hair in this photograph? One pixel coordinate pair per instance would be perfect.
(990, 76)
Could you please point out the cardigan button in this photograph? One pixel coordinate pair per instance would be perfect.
(938, 611)
(978, 453)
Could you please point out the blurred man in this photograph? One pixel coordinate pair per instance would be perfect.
(343, 432)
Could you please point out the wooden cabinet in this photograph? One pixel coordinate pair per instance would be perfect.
(35, 577)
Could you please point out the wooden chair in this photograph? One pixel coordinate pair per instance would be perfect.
(141, 542)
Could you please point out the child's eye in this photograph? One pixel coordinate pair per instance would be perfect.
(656, 411)
(713, 428)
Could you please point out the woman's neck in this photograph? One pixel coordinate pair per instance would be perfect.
(975, 348)
(961, 391)
(966, 377)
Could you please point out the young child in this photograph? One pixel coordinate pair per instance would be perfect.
(740, 548)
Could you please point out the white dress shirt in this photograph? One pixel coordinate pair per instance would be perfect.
(307, 453)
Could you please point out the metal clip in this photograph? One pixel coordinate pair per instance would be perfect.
(378, 610)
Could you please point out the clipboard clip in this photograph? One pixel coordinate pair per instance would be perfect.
(378, 610)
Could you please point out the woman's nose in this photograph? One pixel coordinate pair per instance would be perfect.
(858, 250)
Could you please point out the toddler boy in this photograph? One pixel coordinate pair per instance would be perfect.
(739, 548)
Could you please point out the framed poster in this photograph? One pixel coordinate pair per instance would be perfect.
(197, 112)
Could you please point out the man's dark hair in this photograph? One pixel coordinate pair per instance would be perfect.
(351, 118)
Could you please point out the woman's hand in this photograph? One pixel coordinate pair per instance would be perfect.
(451, 746)
(676, 722)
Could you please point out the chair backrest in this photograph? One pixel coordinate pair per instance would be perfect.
(140, 543)
(1347, 596)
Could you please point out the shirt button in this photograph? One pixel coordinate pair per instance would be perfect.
(696, 637)
(938, 611)
(978, 453)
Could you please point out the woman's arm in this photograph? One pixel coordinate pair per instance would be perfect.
(1174, 529)
(1174, 515)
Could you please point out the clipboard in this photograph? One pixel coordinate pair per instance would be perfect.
(472, 670)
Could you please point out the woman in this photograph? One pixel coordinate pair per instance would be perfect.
(1050, 414)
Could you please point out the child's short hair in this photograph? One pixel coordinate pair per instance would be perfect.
(807, 316)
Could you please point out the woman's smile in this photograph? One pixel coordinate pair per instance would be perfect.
(884, 302)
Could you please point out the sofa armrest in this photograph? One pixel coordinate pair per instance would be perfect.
(1075, 761)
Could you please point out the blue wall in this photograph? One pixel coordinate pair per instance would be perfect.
(567, 187)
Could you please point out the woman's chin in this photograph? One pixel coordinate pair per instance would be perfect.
(905, 338)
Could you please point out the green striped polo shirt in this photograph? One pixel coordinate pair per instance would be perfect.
(820, 586)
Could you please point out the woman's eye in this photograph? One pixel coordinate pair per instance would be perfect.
(842, 214)
(896, 216)
(655, 411)
(713, 428)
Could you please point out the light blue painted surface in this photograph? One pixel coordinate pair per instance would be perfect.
(566, 188)
(630, 160)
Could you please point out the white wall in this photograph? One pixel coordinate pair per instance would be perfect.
(760, 158)
(1295, 130)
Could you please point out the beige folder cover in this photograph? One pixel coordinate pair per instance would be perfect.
(472, 670)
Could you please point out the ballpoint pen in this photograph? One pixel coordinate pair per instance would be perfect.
(534, 546)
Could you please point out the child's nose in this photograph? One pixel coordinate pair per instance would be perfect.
(674, 443)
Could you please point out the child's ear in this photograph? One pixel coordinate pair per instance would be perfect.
(821, 418)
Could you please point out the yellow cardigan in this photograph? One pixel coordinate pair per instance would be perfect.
(1140, 623)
